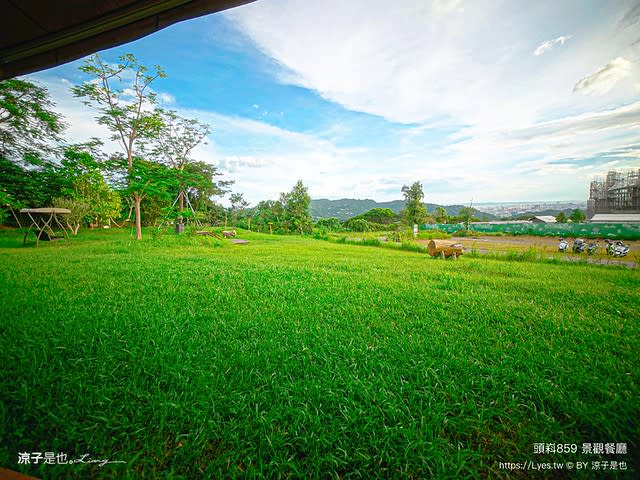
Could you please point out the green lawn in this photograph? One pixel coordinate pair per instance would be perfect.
(190, 357)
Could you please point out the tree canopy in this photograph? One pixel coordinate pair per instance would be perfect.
(123, 97)
(577, 216)
(296, 205)
(379, 215)
(177, 138)
(415, 211)
(28, 122)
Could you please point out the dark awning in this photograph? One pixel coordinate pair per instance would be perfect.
(38, 34)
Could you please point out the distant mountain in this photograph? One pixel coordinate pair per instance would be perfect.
(349, 207)
(346, 208)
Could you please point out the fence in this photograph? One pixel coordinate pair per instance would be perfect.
(625, 231)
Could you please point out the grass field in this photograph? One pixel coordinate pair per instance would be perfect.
(188, 357)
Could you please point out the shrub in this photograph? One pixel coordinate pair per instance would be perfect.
(80, 210)
(332, 224)
(358, 225)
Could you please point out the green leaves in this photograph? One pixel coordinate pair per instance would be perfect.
(296, 205)
(123, 97)
(561, 217)
(415, 212)
(28, 123)
(145, 178)
(577, 216)
(177, 137)
(33, 185)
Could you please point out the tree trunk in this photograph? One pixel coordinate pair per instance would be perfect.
(138, 219)
(74, 228)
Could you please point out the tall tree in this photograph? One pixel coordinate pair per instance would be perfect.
(127, 107)
(238, 206)
(466, 215)
(28, 123)
(175, 143)
(415, 212)
(296, 205)
(441, 215)
(178, 137)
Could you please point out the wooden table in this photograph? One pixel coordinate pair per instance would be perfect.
(43, 222)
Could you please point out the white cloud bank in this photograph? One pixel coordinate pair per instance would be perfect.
(468, 66)
(420, 61)
(605, 79)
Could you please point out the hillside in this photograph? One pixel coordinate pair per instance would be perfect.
(350, 207)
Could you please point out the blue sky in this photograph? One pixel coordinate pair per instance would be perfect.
(482, 100)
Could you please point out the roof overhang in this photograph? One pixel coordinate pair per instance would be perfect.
(39, 34)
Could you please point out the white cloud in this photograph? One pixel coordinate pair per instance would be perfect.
(391, 60)
(166, 98)
(549, 44)
(551, 157)
(444, 7)
(234, 163)
(620, 119)
(438, 65)
(606, 78)
(422, 61)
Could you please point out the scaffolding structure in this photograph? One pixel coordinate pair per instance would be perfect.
(617, 192)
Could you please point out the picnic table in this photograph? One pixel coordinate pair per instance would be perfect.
(44, 222)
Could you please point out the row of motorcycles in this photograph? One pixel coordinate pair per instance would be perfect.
(617, 249)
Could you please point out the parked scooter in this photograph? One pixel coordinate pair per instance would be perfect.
(592, 248)
(620, 250)
(579, 245)
(563, 245)
(617, 249)
(610, 246)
